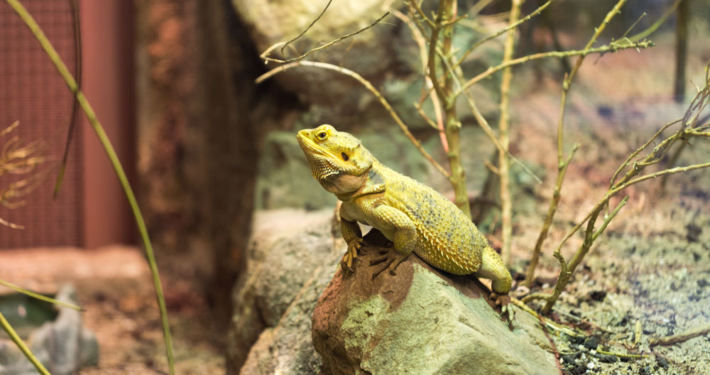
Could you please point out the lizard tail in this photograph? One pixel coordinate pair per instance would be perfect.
(493, 268)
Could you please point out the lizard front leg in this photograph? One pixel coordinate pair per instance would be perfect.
(353, 237)
(389, 219)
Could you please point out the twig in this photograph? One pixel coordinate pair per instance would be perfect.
(522, 60)
(548, 323)
(319, 48)
(421, 42)
(554, 202)
(75, 106)
(685, 336)
(656, 24)
(638, 151)
(512, 26)
(622, 355)
(503, 126)
(370, 88)
(20, 344)
(106, 143)
(609, 218)
(307, 28)
(452, 126)
(563, 162)
(39, 296)
(491, 135)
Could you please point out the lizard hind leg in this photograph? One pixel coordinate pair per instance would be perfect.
(493, 268)
(392, 220)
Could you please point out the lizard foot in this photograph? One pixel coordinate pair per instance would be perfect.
(353, 246)
(506, 309)
(390, 260)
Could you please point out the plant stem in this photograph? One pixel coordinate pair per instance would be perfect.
(452, 128)
(39, 296)
(681, 50)
(556, 195)
(562, 162)
(503, 126)
(543, 55)
(20, 344)
(370, 88)
(512, 26)
(115, 162)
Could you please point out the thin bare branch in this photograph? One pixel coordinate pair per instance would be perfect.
(605, 49)
(307, 28)
(685, 336)
(513, 25)
(319, 48)
(370, 88)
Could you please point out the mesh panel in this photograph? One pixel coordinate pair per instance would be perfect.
(32, 92)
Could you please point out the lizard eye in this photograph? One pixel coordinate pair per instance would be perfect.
(345, 156)
(322, 136)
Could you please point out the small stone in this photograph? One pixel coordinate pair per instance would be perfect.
(693, 233)
(607, 358)
(579, 369)
(662, 362)
(591, 343)
(597, 295)
(647, 370)
(590, 365)
(703, 283)
(569, 358)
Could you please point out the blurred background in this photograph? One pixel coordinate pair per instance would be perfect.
(208, 151)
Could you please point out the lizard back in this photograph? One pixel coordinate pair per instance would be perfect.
(448, 239)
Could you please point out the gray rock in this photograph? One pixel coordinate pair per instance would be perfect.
(288, 348)
(421, 322)
(289, 255)
(63, 346)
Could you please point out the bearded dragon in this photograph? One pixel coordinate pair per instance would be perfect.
(413, 216)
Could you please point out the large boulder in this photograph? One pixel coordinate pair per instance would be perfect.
(368, 53)
(421, 321)
(291, 256)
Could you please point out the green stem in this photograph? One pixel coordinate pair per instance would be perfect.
(39, 296)
(20, 344)
(106, 143)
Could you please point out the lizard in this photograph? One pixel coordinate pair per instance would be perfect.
(415, 217)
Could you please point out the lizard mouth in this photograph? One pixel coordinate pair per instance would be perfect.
(311, 148)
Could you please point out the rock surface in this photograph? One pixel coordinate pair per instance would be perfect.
(78, 347)
(368, 53)
(421, 321)
(291, 257)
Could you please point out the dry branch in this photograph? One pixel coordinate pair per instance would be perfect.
(370, 88)
(685, 336)
(266, 57)
(511, 27)
(562, 162)
(601, 50)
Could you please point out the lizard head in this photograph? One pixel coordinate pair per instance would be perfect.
(337, 159)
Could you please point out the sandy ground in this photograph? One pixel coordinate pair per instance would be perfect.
(114, 286)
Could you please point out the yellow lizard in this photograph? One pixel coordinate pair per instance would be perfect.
(413, 216)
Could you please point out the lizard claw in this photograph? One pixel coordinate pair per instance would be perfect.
(353, 246)
(506, 309)
(389, 260)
